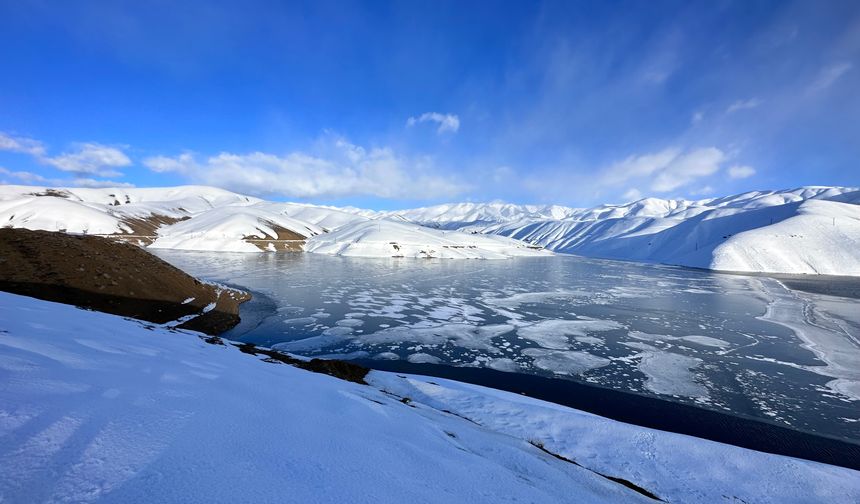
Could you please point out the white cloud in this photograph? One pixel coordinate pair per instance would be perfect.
(686, 168)
(23, 176)
(184, 163)
(632, 194)
(829, 75)
(743, 105)
(30, 178)
(666, 170)
(448, 123)
(90, 159)
(741, 172)
(86, 160)
(697, 117)
(703, 191)
(21, 144)
(344, 169)
(639, 166)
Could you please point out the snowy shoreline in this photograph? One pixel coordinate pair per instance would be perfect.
(96, 406)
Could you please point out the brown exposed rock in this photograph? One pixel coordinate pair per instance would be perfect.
(105, 275)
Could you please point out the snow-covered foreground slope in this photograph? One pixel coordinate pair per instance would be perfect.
(807, 230)
(94, 407)
(387, 238)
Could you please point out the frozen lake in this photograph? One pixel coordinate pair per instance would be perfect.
(740, 344)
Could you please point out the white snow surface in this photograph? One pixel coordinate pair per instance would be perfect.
(387, 238)
(809, 230)
(225, 229)
(102, 211)
(218, 220)
(95, 407)
(459, 214)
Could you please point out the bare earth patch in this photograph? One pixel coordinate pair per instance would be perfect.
(285, 241)
(106, 275)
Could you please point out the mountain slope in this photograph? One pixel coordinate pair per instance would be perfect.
(814, 230)
(456, 215)
(208, 219)
(95, 407)
(387, 238)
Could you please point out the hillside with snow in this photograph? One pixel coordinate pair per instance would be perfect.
(810, 230)
(387, 238)
(457, 215)
(209, 219)
(96, 407)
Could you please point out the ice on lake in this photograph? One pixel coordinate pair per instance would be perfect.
(741, 344)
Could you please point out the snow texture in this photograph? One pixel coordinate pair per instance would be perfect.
(809, 230)
(94, 407)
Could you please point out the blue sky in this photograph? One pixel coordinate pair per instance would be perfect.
(388, 105)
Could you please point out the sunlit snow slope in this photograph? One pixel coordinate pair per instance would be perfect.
(386, 238)
(812, 230)
(94, 407)
(202, 218)
(807, 230)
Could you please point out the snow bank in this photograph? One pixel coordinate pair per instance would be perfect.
(387, 238)
(94, 407)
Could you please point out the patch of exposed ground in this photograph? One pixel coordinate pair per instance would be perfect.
(286, 240)
(113, 277)
(339, 369)
(56, 193)
(144, 230)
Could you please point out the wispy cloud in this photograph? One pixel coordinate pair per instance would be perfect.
(632, 194)
(448, 123)
(743, 105)
(84, 160)
(343, 169)
(741, 172)
(667, 170)
(829, 75)
(24, 145)
(697, 117)
(30, 178)
(90, 159)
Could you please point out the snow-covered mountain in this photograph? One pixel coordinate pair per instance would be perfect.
(805, 230)
(109, 211)
(203, 218)
(387, 238)
(97, 407)
(813, 230)
(457, 215)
